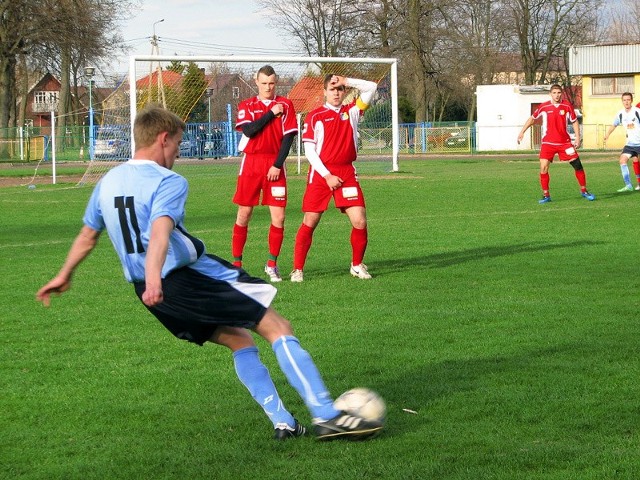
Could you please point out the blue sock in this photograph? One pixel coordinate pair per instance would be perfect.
(625, 174)
(255, 376)
(303, 375)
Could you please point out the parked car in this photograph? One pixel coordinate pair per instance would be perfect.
(188, 146)
(572, 132)
(112, 142)
(457, 140)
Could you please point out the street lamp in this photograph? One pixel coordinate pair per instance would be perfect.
(88, 73)
(208, 93)
(154, 39)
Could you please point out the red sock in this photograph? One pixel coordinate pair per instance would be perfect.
(302, 246)
(276, 236)
(238, 240)
(358, 244)
(544, 183)
(636, 170)
(582, 180)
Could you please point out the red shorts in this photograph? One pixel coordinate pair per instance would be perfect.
(317, 194)
(252, 180)
(566, 152)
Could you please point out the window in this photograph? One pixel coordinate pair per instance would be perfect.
(235, 91)
(45, 97)
(40, 97)
(612, 85)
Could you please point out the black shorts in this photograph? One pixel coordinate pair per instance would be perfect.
(632, 151)
(195, 304)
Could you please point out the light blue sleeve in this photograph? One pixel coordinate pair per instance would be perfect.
(93, 214)
(170, 199)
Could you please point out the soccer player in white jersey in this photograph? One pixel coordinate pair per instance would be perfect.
(629, 118)
(330, 139)
(198, 297)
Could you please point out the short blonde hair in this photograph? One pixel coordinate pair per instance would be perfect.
(151, 121)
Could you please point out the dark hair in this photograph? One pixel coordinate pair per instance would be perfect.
(627, 94)
(266, 70)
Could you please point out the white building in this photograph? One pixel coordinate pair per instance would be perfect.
(502, 110)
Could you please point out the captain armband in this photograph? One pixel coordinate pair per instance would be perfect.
(361, 105)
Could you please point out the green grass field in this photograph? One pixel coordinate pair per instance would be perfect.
(511, 328)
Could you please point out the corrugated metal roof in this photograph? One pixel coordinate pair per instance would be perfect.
(604, 59)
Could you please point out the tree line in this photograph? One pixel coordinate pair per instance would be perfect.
(445, 47)
(58, 36)
(448, 47)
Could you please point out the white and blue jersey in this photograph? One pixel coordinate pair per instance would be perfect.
(201, 291)
(127, 201)
(630, 120)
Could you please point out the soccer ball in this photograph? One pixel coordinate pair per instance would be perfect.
(363, 403)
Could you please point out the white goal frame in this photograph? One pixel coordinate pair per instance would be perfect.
(392, 62)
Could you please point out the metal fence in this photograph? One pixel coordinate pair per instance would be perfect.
(218, 140)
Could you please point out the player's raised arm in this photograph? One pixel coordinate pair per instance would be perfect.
(366, 88)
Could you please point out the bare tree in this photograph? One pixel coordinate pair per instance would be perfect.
(622, 24)
(446, 47)
(92, 23)
(474, 39)
(20, 26)
(322, 27)
(544, 29)
(54, 35)
(420, 21)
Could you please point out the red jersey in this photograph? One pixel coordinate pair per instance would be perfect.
(269, 139)
(555, 118)
(341, 127)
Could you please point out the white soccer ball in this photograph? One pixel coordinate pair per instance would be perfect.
(363, 403)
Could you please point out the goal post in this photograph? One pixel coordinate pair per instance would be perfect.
(205, 92)
(324, 61)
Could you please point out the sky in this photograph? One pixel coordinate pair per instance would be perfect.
(202, 27)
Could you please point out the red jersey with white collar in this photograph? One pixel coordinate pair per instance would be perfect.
(341, 126)
(555, 118)
(269, 139)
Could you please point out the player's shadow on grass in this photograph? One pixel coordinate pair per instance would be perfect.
(408, 406)
(614, 195)
(448, 259)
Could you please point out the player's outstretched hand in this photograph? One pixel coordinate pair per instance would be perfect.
(56, 286)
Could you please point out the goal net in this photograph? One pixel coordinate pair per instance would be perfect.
(205, 92)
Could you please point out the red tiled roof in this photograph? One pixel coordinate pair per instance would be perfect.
(169, 79)
(307, 94)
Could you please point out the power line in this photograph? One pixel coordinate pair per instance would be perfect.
(222, 48)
